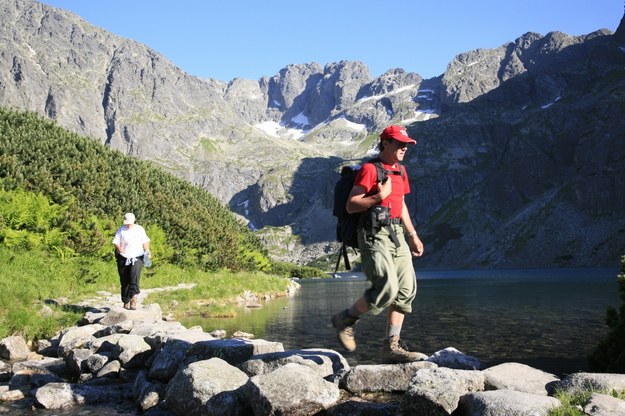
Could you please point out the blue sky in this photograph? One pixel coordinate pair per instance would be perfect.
(250, 39)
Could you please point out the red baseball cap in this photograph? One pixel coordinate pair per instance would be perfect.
(398, 133)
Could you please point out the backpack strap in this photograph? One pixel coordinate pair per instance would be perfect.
(382, 175)
(343, 254)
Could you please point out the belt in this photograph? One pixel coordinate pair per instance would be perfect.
(395, 220)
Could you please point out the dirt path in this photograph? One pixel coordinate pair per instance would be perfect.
(109, 299)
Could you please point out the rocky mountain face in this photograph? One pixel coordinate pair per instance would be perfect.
(519, 162)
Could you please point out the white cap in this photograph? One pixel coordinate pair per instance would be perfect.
(129, 218)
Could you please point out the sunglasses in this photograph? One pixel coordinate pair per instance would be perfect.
(399, 144)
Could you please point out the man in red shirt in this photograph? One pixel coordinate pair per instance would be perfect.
(387, 240)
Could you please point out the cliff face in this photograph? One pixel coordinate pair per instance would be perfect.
(519, 162)
(530, 174)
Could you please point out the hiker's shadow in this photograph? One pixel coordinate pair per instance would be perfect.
(307, 208)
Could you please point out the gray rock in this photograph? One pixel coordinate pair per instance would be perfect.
(158, 339)
(76, 337)
(233, 351)
(46, 365)
(14, 348)
(91, 318)
(38, 380)
(207, 387)
(452, 358)
(146, 393)
(110, 370)
(437, 391)
(382, 378)
(76, 361)
(64, 395)
(20, 380)
(48, 347)
(506, 402)
(218, 334)
(5, 371)
(123, 327)
(132, 351)
(604, 405)
(168, 359)
(7, 395)
(519, 377)
(147, 328)
(105, 344)
(592, 381)
(323, 361)
(116, 315)
(290, 390)
(95, 362)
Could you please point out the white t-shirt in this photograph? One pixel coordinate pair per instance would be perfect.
(131, 240)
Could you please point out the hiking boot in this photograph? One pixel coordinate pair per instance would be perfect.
(127, 305)
(395, 351)
(344, 324)
(133, 303)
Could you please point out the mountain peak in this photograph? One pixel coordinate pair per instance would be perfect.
(619, 35)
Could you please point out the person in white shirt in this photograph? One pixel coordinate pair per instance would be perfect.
(131, 243)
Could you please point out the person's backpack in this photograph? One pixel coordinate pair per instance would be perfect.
(347, 224)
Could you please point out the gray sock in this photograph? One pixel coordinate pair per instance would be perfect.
(393, 330)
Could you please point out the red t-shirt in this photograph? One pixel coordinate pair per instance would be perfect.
(367, 177)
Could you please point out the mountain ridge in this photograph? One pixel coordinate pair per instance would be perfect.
(270, 149)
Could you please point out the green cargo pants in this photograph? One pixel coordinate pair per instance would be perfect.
(389, 269)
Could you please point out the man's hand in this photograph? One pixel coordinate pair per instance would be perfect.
(416, 246)
(385, 188)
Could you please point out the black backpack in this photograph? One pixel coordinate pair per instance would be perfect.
(347, 224)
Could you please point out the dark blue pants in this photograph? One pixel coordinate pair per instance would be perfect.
(129, 276)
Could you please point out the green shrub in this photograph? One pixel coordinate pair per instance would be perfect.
(609, 355)
(285, 269)
(83, 188)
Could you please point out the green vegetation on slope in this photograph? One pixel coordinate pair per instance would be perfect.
(62, 197)
(92, 181)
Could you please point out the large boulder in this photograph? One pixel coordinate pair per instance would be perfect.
(132, 351)
(437, 391)
(116, 315)
(604, 404)
(324, 362)
(233, 351)
(519, 377)
(382, 378)
(166, 362)
(208, 387)
(596, 381)
(14, 348)
(76, 361)
(64, 395)
(77, 337)
(506, 402)
(290, 390)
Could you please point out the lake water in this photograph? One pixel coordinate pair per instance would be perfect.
(549, 318)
